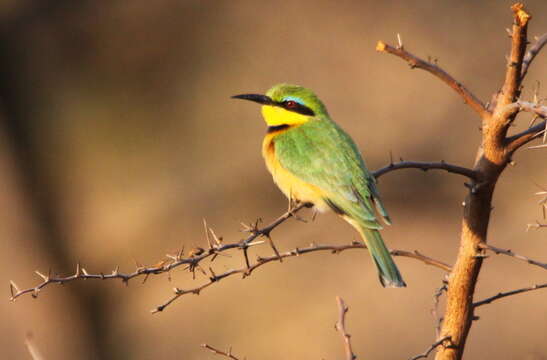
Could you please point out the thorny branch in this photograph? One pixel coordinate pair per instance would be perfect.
(227, 354)
(532, 53)
(508, 252)
(433, 346)
(341, 328)
(509, 293)
(425, 166)
(493, 155)
(246, 271)
(215, 248)
(416, 62)
(535, 132)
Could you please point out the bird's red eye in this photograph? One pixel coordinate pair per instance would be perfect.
(290, 104)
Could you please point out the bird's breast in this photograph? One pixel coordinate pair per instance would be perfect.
(292, 186)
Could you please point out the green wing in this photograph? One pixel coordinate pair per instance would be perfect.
(321, 153)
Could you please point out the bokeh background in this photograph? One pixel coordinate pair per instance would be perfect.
(118, 136)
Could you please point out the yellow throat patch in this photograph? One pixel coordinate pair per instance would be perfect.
(275, 116)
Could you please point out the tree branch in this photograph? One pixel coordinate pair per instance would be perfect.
(227, 354)
(247, 271)
(196, 256)
(425, 166)
(527, 106)
(491, 160)
(416, 62)
(508, 252)
(433, 346)
(518, 140)
(532, 53)
(508, 293)
(341, 328)
(511, 87)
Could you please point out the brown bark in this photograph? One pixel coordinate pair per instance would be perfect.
(492, 157)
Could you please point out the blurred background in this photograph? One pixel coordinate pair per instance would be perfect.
(118, 136)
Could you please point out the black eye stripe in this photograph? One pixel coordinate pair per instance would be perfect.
(296, 107)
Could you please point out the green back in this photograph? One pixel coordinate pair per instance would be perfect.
(321, 153)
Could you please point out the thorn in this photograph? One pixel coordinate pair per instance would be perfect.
(13, 289)
(180, 253)
(145, 278)
(207, 234)
(138, 265)
(218, 240)
(44, 277)
(213, 275)
(400, 41)
(116, 271)
(78, 270)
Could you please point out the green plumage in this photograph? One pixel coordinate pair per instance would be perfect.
(327, 163)
(321, 153)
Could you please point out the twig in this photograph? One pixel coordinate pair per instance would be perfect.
(516, 141)
(419, 256)
(531, 54)
(227, 354)
(247, 271)
(508, 293)
(425, 166)
(426, 353)
(508, 252)
(195, 257)
(416, 62)
(511, 86)
(535, 108)
(341, 328)
(165, 266)
(435, 310)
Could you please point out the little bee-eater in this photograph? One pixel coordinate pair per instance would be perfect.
(313, 160)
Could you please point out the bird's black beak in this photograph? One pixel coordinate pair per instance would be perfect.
(261, 99)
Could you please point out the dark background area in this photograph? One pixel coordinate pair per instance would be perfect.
(118, 136)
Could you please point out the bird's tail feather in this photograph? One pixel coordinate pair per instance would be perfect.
(387, 270)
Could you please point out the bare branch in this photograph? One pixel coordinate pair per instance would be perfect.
(511, 85)
(425, 166)
(433, 346)
(527, 106)
(516, 141)
(247, 271)
(227, 354)
(531, 54)
(197, 255)
(165, 266)
(425, 259)
(416, 62)
(509, 293)
(508, 252)
(435, 310)
(341, 328)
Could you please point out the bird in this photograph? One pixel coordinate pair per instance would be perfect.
(312, 160)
